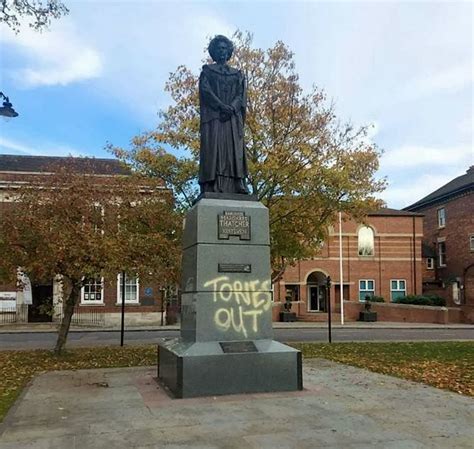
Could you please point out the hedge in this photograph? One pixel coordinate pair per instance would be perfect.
(420, 300)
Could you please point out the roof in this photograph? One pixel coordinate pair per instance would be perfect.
(460, 185)
(387, 212)
(42, 164)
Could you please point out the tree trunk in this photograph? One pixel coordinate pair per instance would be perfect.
(70, 300)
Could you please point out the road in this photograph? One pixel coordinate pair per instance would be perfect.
(46, 340)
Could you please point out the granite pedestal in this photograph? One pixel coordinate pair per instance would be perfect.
(226, 344)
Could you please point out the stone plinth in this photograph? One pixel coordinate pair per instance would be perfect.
(226, 344)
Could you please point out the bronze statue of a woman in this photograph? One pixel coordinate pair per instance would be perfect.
(222, 96)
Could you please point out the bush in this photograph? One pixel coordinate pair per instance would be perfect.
(420, 300)
(437, 300)
(377, 299)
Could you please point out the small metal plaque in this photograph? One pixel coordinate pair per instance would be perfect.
(234, 268)
(232, 347)
(235, 224)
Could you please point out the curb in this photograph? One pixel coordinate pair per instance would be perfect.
(29, 330)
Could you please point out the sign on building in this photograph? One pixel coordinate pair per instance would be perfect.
(7, 301)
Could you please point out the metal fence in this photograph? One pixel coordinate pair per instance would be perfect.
(81, 316)
(13, 314)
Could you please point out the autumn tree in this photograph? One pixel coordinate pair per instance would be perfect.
(75, 225)
(304, 164)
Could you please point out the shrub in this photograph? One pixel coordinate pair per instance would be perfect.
(437, 300)
(420, 300)
(377, 299)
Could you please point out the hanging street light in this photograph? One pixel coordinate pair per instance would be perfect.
(7, 110)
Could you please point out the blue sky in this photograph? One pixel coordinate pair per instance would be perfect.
(98, 74)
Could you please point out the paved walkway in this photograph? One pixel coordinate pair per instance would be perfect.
(341, 407)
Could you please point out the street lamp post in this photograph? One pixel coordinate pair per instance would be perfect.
(7, 110)
(328, 292)
(122, 322)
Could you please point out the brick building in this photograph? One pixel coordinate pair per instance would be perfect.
(448, 230)
(382, 258)
(100, 298)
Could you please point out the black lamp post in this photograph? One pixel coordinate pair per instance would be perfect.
(328, 294)
(7, 109)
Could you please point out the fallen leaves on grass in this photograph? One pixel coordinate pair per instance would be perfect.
(446, 365)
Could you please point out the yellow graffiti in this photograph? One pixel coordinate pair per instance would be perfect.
(246, 302)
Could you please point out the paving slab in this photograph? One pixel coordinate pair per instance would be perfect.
(340, 407)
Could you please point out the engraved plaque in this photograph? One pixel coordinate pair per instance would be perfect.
(234, 268)
(233, 223)
(232, 347)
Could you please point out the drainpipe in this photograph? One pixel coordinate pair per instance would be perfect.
(414, 257)
(341, 282)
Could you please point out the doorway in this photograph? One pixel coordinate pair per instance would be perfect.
(40, 310)
(317, 292)
(317, 298)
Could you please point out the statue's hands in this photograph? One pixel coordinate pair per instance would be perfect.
(227, 109)
(226, 112)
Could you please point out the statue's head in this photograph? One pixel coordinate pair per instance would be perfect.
(221, 49)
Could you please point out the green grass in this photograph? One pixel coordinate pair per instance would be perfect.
(448, 365)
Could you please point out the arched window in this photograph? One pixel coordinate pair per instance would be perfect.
(366, 241)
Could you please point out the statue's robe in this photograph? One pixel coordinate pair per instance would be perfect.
(223, 164)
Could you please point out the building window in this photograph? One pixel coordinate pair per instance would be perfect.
(430, 263)
(131, 289)
(441, 217)
(398, 289)
(442, 254)
(471, 242)
(292, 292)
(92, 291)
(366, 241)
(366, 288)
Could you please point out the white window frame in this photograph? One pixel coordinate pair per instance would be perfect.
(471, 242)
(119, 288)
(441, 214)
(398, 289)
(366, 290)
(430, 263)
(441, 262)
(85, 302)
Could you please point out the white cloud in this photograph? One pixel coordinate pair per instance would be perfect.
(466, 126)
(410, 156)
(138, 59)
(399, 195)
(451, 79)
(56, 57)
(9, 146)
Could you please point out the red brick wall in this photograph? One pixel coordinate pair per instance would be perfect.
(459, 226)
(9, 180)
(392, 259)
(406, 313)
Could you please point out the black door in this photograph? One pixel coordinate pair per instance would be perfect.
(40, 310)
(313, 298)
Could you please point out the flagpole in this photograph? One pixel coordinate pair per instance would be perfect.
(341, 281)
